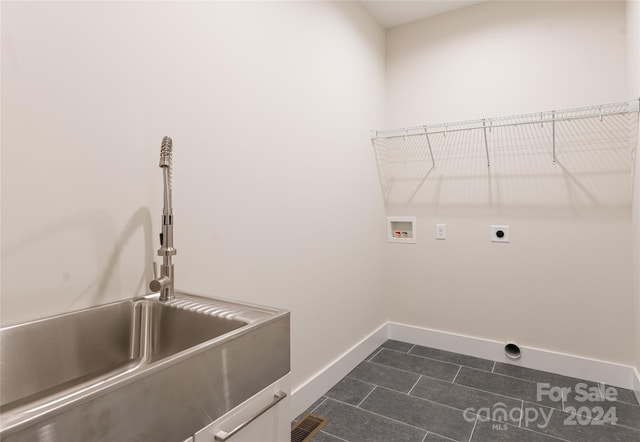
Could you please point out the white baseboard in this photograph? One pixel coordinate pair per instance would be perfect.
(467, 345)
(636, 379)
(306, 394)
(565, 364)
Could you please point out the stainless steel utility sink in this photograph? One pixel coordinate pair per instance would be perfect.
(138, 369)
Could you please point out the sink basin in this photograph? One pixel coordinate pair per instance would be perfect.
(173, 356)
(64, 350)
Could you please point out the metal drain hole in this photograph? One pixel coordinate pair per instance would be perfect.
(308, 426)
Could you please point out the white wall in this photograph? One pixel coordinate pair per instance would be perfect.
(564, 283)
(275, 191)
(276, 197)
(633, 84)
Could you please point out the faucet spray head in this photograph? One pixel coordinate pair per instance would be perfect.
(165, 152)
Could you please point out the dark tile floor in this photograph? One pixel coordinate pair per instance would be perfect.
(405, 392)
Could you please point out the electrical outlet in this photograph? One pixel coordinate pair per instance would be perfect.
(500, 233)
(441, 231)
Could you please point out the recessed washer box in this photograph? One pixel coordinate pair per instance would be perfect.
(401, 229)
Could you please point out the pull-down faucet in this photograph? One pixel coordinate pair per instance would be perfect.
(164, 283)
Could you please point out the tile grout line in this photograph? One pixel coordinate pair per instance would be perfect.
(424, 400)
(602, 396)
(399, 421)
(488, 391)
(401, 369)
(546, 381)
(447, 406)
(424, 357)
(521, 414)
(562, 409)
(456, 376)
(601, 388)
(509, 397)
(365, 398)
(440, 435)
(485, 391)
(356, 379)
(331, 434)
(437, 435)
(513, 377)
(416, 373)
(414, 385)
(439, 360)
(599, 421)
(552, 384)
(316, 407)
(474, 427)
(626, 403)
(637, 430)
(450, 352)
(373, 355)
(578, 414)
(379, 349)
(485, 371)
(434, 401)
(481, 390)
(603, 391)
(617, 399)
(409, 351)
(381, 415)
(440, 380)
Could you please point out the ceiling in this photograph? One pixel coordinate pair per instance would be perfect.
(390, 13)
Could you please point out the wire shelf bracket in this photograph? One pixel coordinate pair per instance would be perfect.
(426, 134)
(486, 143)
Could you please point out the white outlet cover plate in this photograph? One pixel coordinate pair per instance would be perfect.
(494, 233)
(441, 231)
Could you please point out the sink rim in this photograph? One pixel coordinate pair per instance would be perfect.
(253, 316)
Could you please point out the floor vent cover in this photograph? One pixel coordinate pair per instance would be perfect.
(307, 427)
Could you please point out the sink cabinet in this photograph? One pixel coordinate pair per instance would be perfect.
(272, 423)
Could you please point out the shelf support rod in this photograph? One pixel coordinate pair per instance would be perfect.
(486, 144)
(426, 134)
(553, 134)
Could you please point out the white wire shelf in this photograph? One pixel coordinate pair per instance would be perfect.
(545, 130)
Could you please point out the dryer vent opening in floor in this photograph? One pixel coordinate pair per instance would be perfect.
(308, 426)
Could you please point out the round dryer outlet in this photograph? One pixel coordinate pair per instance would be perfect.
(499, 233)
